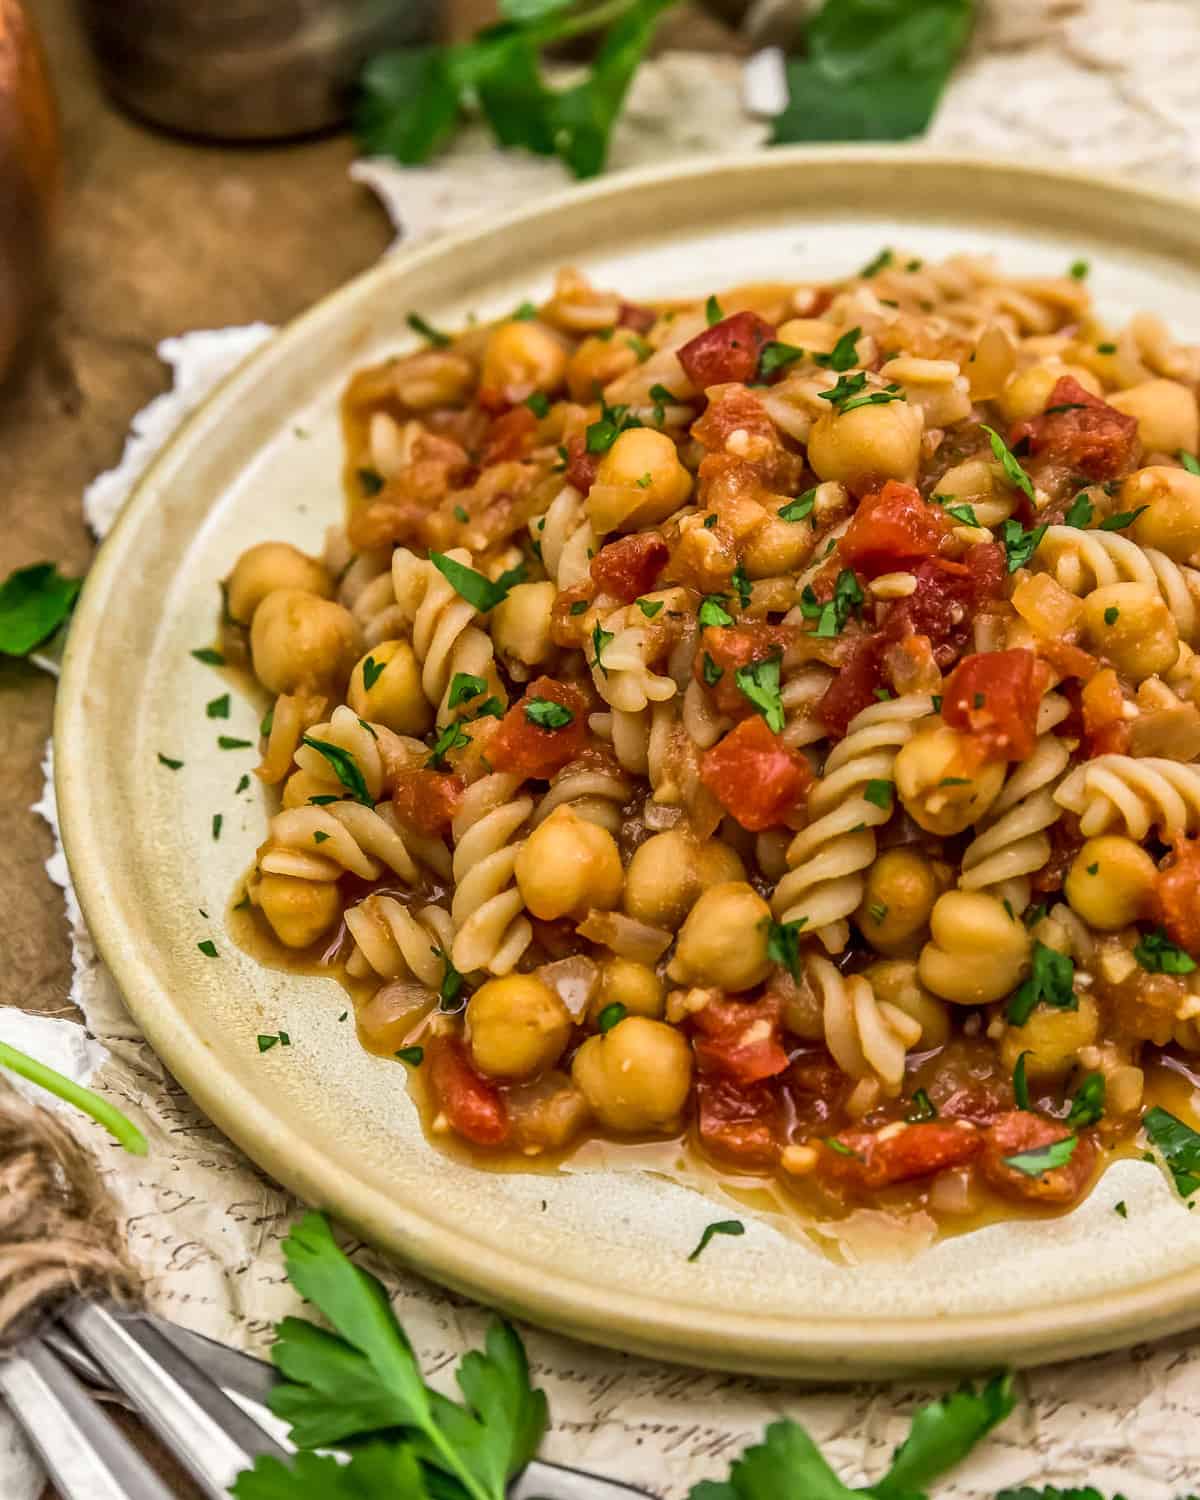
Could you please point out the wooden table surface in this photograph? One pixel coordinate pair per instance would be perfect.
(159, 236)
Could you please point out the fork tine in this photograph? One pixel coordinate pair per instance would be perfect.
(86, 1455)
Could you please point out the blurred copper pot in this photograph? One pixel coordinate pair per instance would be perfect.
(30, 177)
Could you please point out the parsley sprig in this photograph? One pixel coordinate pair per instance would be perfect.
(34, 602)
(119, 1126)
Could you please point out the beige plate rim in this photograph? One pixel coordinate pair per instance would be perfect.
(596, 1311)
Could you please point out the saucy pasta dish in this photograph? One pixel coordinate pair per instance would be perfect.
(765, 721)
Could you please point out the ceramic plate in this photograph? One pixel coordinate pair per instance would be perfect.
(592, 1252)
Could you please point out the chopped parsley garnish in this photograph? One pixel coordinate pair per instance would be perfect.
(603, 433)
(427, 331)
(841, 1148)
(831, 617)
(639, 346)
(645, 480)
(464, 686)
(879, 793)
(370, 482)
(713, 611)
(843, 355)
(320, 838)
(1159, 955)
(414, 1056)
(776, 356)
(936, 700)
(208, 656)
(712, 311)
(800, 508)
(1021, 1084)
(218, 708)
(741, 585)
(547, 714)
(523, 314)
(344, 767)
(243, 783)
(323, 801)
(783, 944)
(1111, 615)
(1043, 1159)
(217, 820)
(580, 607)
(208, 948)
(538, 403)
(662, 398)
(1079, 512)
(710, 521)
(372, 672)
(732, 1227)
(877, 911)
(482, 592)
(1019, 544)
(1065, 406)
(1106, 348)
(34, 602)
(921, 1109)
(1189, 461)
(964, 513)
(880, 263)
(451, 986)
(1087, 1103)
(600, 639)
(1125, 518)
(1179, 1146)
(228, 742)
(712, 672)
(847, 395)
(1079, 269)
(882, 694)
(1013, 471)
(165, 760)
(1120, 1210)
(650, 607)
(460, 515)
(268, 723)
(273, 1039)
(610, 1015)
(759, 683)
(1051, 982)
(452, 737)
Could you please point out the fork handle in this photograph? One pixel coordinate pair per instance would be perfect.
(86, 1455)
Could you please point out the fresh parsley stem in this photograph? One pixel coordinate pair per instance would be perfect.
(123, 1130)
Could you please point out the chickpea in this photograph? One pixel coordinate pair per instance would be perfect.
(521, 623)
(1132, 627)
(635, 986)
(1028, 391)
(516, 1026)
(395, 697)
(269, 566)
(978, 953)
(636, 1076)
(881, 442)
(777, 547)
(668, 872)
(895, 980)
(1166, 415)
(1111, 882)
(940, 789)
(568, 865)
(434, 377)
(1171, 520)
(522, 357)
(299, 911)
(901, 887)
(639, 482)
(597, 362)
(724, 940)
(1052, 1038)
(298, 640)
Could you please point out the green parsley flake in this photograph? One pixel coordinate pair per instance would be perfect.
(1013, 471)
(580, 607)
(208, 656)
(165, 760)
(372, 671)
(712, 672)
(218, 708)
(547, 714)
(709, 522)
(370, 482)
(800, 508)
(1125, 518)
(463, 686)
(273, 1039)
(964, 513)
(268, 723)
(776, 356)
(1080, 512)
(640, 347)
(1179, 1146)
(451, 987)
(645, 481)
(243, 783)
(1106, 348)
(610, 1016)
(844, 354)
(228, 742)
(783, 944)
(1111, 615)
(483, 593)
(217, 820)
(1189, 462)
(922, 1108)
(460, 515)
(713, 611)
(524, 314)
(344, 767)
(1120, 1210)
(208, 948)
(1051, 982)
(732, 1227)
(600, 639)
(320, 837)
(1079, 269)
(452, 737)
(414, 1056)
(879, 793)
(1019, 544)
(877, 911)
(426, 330)
(1043, 1159)
(759, 684)
(1158, 955)
(650, 607)
(741, 585)
(603, 433)
(880, 263)
(712, 311)
(538, 403)
(1020, 1084)
(1087, 1104)
(662, 398)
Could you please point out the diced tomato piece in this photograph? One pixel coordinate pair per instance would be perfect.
(918, 1150)
(630, 566)
(1105, 727)
(729, 647)
(1068, 660)
(1090, 436)
(730, 409)
(1020, 1132)
(527, 749)
(581, 465)
(948, 597)
(1178, 895)
(853, 689)
(755, 777)
(892, 529)
(727, 351)
(427, 801)
(473, 1106)
(743, 1123)
(994, 696)
(510, 436)
(640, 319)
(739, 1039)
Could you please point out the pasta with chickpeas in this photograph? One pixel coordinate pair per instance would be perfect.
(766, 719)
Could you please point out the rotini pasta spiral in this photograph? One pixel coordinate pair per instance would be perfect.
(445, 638)
(322, 843)
(490, 931)
(621, 673)
(595, 792)
(825, 884)
(1137, 794)
(360, 740)
(395, 942)
(1080, 561)
(869, 1038)
(565, 537)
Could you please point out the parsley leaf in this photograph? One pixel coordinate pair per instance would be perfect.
(369, 482)
(1189, 461)
(482, 592)
(34, 602)
(712, 312)
(741, 585)
(1013, 471)
(783, 944)
(775, 356)
(344, 767)
(430, 334)
(1021, 1084)
(165, 760)
(713, 611)
(609, 1017)
(922, 1108)
(787, 1463)
(464, 686)
(547, 714)
(600, 639)
(1087, 1104)
(879, 793)
(942, 1434)
(538, 403)
(1051, 982)
(218, 708)
(1079, 512)
(364, 1377)
(844, 354)
(831, 617)
(377, 1471)
(451, 737)
(1125, 518)
(414, 1056)
(800, 508)
(1043, 1159)
(650, 607)
(712, 672)
(1019, 544)
(733, 1227)
(208, 656)
(1179, 1146)
(759, 683)
(847, 395)
(372, 671)
(1159, 955)
(613, 421)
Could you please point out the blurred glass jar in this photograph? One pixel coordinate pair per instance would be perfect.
(245, 69)
(30, 177)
